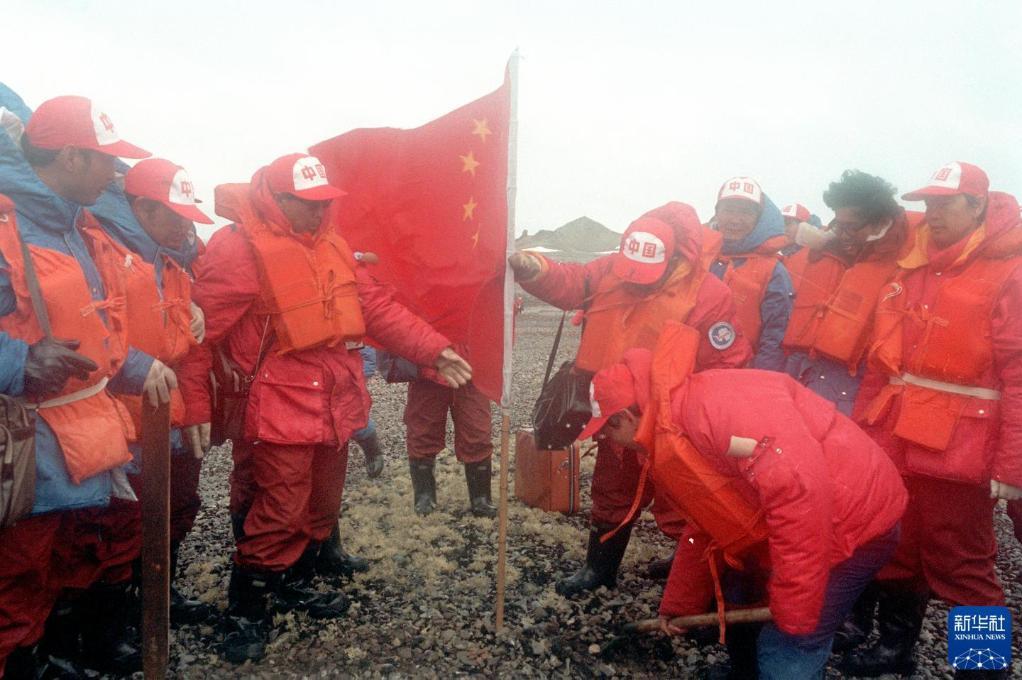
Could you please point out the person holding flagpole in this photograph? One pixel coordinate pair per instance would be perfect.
(287, 301)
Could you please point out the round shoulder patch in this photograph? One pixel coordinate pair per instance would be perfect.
(722, 335)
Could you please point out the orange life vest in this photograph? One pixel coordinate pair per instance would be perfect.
(308, 289)
(796, 265)
(833, 312)
(92, 430)
(710, 499)
(619, 318)
(748, 282)
(954, 348)
(157, 324)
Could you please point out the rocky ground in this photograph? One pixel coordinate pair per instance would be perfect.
(425, 609)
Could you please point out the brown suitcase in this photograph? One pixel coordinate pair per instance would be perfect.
(548, 480)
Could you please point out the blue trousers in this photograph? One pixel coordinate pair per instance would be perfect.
(804, 657)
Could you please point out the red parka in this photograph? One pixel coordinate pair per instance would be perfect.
(824, 486)
(976, 343)
(311, 396)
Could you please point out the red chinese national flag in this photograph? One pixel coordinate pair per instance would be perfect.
(432, 202)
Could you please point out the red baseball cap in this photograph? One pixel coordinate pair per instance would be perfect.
(302, 175)
(953, 178)
(77, 121)
(646, 248)
(796, 211)
(163, 181)
(744, 188)
(611, 391)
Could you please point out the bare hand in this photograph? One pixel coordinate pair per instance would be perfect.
(453, 368)
(525, 266)
(1004, 491)
(197, 437)
(668, 628)
(198, 323)
(158, 383)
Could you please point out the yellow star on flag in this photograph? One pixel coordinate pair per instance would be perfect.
(469, 209)
(469, 163)
(481, 129)
(475, 239)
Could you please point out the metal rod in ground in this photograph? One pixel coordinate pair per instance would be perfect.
(505, 444)
(755, 615)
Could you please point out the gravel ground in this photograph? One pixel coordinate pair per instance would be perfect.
(425, 609)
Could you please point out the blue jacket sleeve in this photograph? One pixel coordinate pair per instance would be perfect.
(12, 350)
(131, 377)
(12, 365)
(775, 310)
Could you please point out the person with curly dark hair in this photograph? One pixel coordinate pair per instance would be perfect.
(832, 314)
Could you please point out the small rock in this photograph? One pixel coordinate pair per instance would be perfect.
(594, 649)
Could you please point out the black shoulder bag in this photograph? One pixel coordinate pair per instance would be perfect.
(562, 409)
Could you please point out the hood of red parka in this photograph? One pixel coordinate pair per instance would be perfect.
(688, 230)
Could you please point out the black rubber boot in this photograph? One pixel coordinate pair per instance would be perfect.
(184, 611)
(899, 619)
(659, 570)
(478, 477)
(302, 572)
(859, 625)
(29, 663)
(333, 561)
(108, 640)
(374, 455)
(293, 592)
(247, 619)
(423, 484)
(602, 562)
(60, 650)
(22, 664)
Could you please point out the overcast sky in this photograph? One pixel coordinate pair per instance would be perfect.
(623, 106)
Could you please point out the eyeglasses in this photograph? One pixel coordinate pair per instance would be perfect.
(848, 227)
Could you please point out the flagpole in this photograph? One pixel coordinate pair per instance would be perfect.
(509, 304)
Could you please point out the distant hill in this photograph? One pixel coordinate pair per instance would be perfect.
(582, 235)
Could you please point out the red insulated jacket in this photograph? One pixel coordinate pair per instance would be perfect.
(824, 486)
(571, 286)
(309, 396)
(955, 320)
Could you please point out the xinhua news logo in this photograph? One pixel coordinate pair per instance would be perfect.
(979, 638)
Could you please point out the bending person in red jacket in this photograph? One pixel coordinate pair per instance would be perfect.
(943, 395)
(626, 298)
(771, 477)
(284, 298)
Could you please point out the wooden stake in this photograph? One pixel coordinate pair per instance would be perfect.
(505, 445)
(756, 615)
(155, 540)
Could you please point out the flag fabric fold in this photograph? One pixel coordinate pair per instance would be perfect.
(432, 203)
